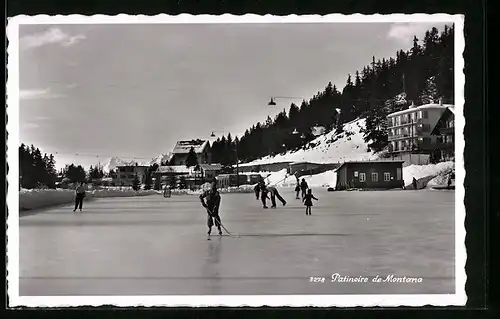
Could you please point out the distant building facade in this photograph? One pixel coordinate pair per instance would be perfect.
(182, 148)
(384, 174)
(445, 132)
(125, 174)
(409, 131)
(210, 171)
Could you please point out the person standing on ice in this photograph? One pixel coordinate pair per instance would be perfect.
(79, 196)
(212, 204)
(263, 193)
(308, 201)
(274, 193)
(297, 189)
(304, 187)
(256, 189)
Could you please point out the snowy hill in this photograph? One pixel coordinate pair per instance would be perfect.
(329, 148)
(116, 161)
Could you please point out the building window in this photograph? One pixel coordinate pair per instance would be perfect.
(362, 177)
(426, 128)
(419, 114)
(426, 114)
(374, 177)
(387, 177)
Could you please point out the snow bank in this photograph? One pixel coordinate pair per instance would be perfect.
(282, 179)
(329, 148)
(421, 171)
(42, 198)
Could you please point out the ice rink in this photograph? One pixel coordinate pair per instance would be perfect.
(158, 246)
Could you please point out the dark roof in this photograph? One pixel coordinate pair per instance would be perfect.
(444, 117)
(371, 162)
(211, 167)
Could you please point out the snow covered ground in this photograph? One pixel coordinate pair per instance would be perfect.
(440, 170)
(329, 148)
(40, 198)
(329, 178)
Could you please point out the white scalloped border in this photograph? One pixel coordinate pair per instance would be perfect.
(459, 298)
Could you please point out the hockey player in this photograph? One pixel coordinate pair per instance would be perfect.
(212, 205)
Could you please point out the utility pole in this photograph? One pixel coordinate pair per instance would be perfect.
(237, 165)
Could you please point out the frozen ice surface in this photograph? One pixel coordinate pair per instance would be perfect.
(157, 246)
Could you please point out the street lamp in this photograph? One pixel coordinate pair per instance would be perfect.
(273, 103)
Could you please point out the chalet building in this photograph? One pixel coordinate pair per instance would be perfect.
(409, 131)
(210, 171)
(445, 132)
(125, 174)
(384, 174)
(182, 148)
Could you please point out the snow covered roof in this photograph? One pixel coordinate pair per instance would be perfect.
(256, 163)
(452, 108)
(183, 147)
(211, 167)
(421, 107)
(173, 169)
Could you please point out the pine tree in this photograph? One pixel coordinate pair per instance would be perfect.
(430, 92)
(136, 183)
(148, 181)
(192, 159)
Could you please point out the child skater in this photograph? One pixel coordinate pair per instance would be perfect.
(308, 201)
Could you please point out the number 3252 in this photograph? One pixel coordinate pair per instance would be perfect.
(317, 279)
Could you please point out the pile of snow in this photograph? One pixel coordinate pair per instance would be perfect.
(42, 198)
(421, 171)
(329, 148)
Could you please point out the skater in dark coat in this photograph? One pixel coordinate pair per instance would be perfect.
(212, 205)
(79, 196)
(256, 189)
(263, 194)
(308, 201)
(274, 193)
(297, 189)
(303, 187)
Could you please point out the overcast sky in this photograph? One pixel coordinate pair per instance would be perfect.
(134, 90)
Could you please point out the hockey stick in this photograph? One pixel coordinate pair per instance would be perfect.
(209, 212)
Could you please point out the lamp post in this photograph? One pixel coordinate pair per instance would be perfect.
(273, 98)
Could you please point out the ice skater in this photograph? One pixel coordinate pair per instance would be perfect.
(274, 193)
(167, 192)
(303, 187)
(212, 204)
(263, 194)
(256, 189)
(308, 201)
(297, 189)
(79, 196)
